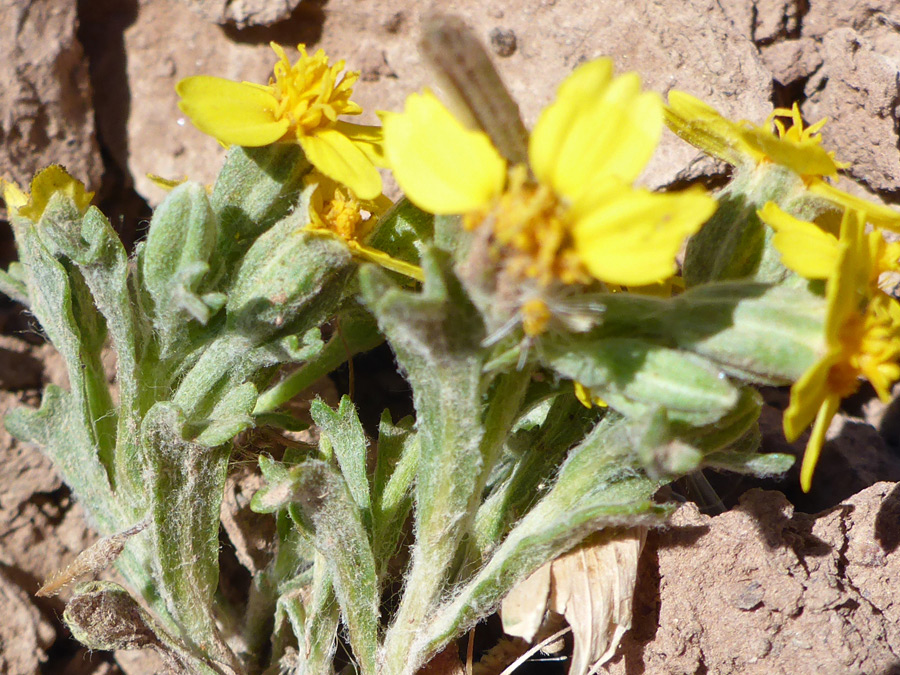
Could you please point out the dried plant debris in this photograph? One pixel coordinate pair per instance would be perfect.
(592, 586)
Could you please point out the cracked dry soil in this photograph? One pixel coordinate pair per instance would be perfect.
(779, 583)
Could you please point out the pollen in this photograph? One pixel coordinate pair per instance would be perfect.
(309, 94)
(535, 317)
(879, 345)
(796, 133)
(532, 233)
(343, 217)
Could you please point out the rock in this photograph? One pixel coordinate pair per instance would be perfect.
(243, 13)
(791, 593)
(858, 89)
(503, 42)
(25, 635)
(765, 21)
(695, 48)
(46, 112)
(791, 60)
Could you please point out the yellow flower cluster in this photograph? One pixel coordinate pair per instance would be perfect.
(747, 146)
(862, 329)
(45, 184)
(572, 216)
(301, 103)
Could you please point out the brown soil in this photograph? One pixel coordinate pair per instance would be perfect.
(779, 583)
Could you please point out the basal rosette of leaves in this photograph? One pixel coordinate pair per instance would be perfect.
(514, 269)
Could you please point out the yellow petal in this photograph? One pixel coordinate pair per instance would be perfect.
(631, 237)
(442, 167)
(817, 440)
(381, 258)
(597, 128)
(235, 113)
(340, 159)
(166, 183)
(586, 397)
(807, 396)
(877, 214)
(369, 139)
(805, 157)
(13, 195)
(805, 248)
(702, 126)
(849, 286)
(553, 125)
(47, 183)
(583, 394)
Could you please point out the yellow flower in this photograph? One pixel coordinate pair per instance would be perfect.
(586, 397)
(862, 331)
(335, 213)
(45, 184)
(812, 250)
(572, 217)
(744, 145)
(301, 103)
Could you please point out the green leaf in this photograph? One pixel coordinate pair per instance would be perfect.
(288, 282)
(764, 334)
(186, 484)
(175, 260)
(734, 243)
(395, 473)
(402, 231)
(56, 429)
(635, 376)
(597, 487)
(356, 331)
(345, 432)
(61, 302)
(229, 417)
(761, 465)
(13, 288)
(256, 188)
(436, 338)
(325, 504)
(534, 457)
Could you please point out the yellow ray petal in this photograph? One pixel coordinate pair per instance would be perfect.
(877, 214)
(48, 182)
(369, 139)
(340, 159)
(807, 395)
(553, 125)
(597, 128)
(702, 126)
(235, 113)
(848, 286)
(817, 440)
(442, 167)
(804, 157)
(633, 236)
(805, 248)
(384, 260)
